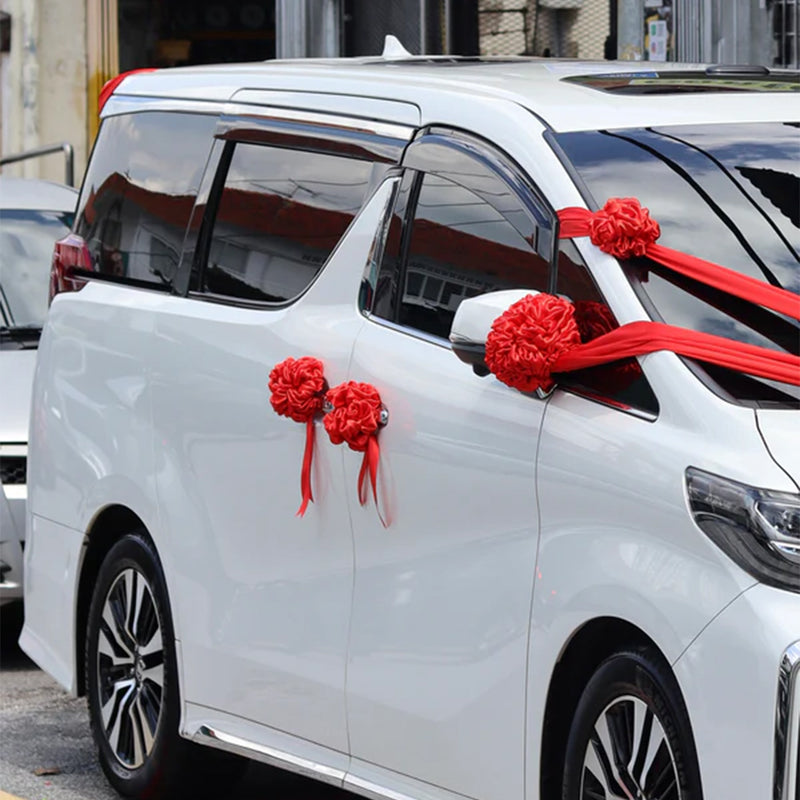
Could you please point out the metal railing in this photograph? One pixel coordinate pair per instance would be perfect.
(65, 147)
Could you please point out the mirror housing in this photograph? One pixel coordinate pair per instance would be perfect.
(473, 321)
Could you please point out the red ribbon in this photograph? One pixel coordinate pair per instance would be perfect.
(641, 338)
(369, 466)
(582, 222)
(538, 335)
(305, 472)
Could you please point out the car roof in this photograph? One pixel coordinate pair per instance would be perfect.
(33, 194)
(565, 94)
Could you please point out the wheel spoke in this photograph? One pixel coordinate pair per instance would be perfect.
(597, 767)
(114, 635)
(135, 589)
(641, 743)
(112, 712)
(657, 740)
(607, 735)
(153, 645)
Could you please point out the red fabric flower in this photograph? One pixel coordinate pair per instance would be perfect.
(297, 387)
(623, 228)
(594, 319)
(355, 415)
(528, 338)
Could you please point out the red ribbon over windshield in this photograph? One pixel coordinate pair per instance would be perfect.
(623, 228)
(539, 335)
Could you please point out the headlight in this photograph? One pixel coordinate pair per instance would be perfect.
(758, 529)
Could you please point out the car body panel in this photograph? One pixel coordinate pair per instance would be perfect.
(412, 660)
(734, 728)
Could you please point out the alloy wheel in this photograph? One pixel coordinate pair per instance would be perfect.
(130, 668)
(628, 756)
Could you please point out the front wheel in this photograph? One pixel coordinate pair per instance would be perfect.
(630, 738)
(131, 682)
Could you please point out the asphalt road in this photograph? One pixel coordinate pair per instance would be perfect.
(46, 749)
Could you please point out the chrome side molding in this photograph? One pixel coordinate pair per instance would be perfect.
(302, 766)
(268, 755)
(786, 783)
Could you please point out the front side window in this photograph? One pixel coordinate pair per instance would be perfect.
(279, 216)
(728, 193)
(139, 191)
(456, 244)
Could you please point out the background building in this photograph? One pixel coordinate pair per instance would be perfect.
(56, 55)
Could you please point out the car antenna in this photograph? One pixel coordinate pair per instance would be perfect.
(393, 49)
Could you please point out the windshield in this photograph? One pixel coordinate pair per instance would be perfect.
(728, 193)
(26, 251)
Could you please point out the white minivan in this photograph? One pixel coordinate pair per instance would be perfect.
(583, 588)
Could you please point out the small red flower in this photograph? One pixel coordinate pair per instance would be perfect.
(355, 415)
(297, 387)
(623, 228)
(527, 339)
(594, 319)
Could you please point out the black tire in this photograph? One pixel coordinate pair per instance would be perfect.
(631, 729)
(132, 688)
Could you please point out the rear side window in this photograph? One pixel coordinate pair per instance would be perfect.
(139, 191)
(279, 215)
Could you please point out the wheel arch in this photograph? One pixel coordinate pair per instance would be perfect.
(106, 529)
(585, 650)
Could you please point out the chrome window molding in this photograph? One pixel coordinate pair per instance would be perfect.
(786, 784)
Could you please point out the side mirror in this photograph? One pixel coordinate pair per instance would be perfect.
(473, 321)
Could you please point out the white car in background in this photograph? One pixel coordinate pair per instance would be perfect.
(33, 215)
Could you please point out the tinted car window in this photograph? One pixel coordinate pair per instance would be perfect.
(26, 250)
(139, 192)
(726, 193)
(459, 245)
(279, 216)
(621, 383)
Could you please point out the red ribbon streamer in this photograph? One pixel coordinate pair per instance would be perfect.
(369, 466)
(640, 338)
(577, 222)
(305, 472)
